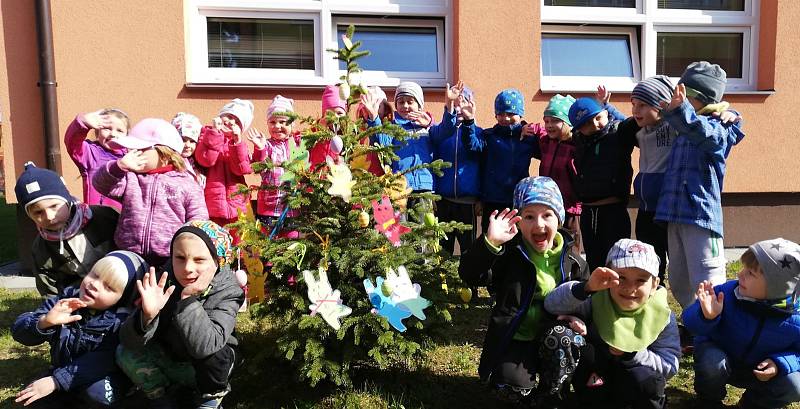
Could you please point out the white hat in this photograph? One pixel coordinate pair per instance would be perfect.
(242, 109)
(188, 125)
(633, 253)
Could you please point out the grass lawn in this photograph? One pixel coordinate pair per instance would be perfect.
(445, 378)
(8, 227)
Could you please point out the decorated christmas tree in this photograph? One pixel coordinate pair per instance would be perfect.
(366, 280)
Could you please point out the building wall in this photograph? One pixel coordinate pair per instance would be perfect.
(131, 55)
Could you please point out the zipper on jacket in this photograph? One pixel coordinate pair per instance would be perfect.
(553, 159)
(455, 166)
(149, 219)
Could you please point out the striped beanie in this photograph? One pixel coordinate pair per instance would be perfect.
(628, 253)
(280, 104)
(654, 90)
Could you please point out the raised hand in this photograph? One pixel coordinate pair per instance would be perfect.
(467, 109)
(677, 98)
(236, 133)
(602, 278)
(528, 130)
(154, 297)
(452, 94)
(420, 118)
(95, 120)
(710, 304)
(575, 323)
(216, 123)
(133, 161)
(765, 370)
(727, 117)
(603, 95)
(257, 138)
(36, 390)
(371, 104)
(502, 226)
(61, 313)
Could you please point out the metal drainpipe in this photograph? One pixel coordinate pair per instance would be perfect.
(47, 83)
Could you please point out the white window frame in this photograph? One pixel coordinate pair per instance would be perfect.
(325, 14)
(651, 20)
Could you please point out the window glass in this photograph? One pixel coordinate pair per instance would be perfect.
(412, 49)
(722, 5)
(592, 3)
(589, 55)
(258, 43)
(675, 51)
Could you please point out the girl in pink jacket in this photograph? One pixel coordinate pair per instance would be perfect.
(157, 194)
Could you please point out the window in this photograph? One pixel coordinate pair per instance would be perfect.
(252, 42)
(663, 37)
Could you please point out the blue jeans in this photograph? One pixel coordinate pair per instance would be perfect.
(713, 370)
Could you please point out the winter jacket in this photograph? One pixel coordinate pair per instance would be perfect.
(272, 202)
(692, 188)
(154, 206)
(226, 164)
(655, 145)
(56, 269)
(661, 356)
(748, 331)
(193, 328)
(89, 156)
(461, 180)
(513, 277)
(81, 352)
(417, 149)
(556, 161)
(505, 159)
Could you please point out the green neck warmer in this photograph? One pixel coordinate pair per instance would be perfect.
(630, 331)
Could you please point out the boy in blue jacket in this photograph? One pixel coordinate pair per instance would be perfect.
(81, 325)
(748, 330)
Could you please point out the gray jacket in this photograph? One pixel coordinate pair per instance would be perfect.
(662, 355)
(193, 328)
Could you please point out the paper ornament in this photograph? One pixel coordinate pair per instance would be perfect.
(398, 189)
(388, 220)
(253, 264)
(325, 301)
(405, 294)
(298, 160)
(360, 159)
(384, 306)
(341, 180)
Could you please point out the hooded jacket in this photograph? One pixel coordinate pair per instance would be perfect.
(226, 164)
(89, 156)
(462, 179)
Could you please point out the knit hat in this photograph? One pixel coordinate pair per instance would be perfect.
(188, 125)
(558, 107)
(217, 239)
(242, 109)
(654, 90)
(411, 89)
(582, 110)
(779, 259)
(148, 133)
(331, 99)
(539, 190)
(509, 100)
(705, 80)
(35, 184)
(135, 267)
(627, 253)
(280, 104)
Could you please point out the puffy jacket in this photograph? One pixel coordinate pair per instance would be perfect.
(556, 161)
(603, 161)
(154, 206)
(226, 166)
(89, 156)
(272, 202)
(462, 179)
(81, 352)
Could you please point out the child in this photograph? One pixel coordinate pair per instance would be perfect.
(333, 103)
(385, 112)
(633, 343)
(89, 156)
(72, 235)
(748, 334)
(189, 128)
(184, 334)
(528, 257)
(157, 193)
(271, 200)
(459, 185)
(222, 152)
(603, 150)
(691, 193)
(81, 326)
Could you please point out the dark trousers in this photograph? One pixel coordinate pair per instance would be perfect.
(488, 208)
(602, 381)
(448, 211)
(601, 227)
(654, 234)
(106, 392)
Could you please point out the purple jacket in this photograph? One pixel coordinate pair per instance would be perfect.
(154, 206)
(89, 156)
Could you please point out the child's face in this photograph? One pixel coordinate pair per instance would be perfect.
(229, 120)
(538, 226)
(97, 294)
(508, 119)
(105, 135)
(49, 214)
(752, 283)
(595, 124)
(280, 127)
(189, 146)
(556, 128)
(634, 289)
(406, 104)
(192, 262)
(644, 114)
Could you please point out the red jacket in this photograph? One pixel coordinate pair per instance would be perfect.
(227, 164)
(557, 162)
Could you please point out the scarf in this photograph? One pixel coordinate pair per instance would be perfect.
(790, 304)
(81, 214)
(630, 331)
(719, 108)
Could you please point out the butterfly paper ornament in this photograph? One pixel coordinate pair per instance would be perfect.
(405, 294)
(325, 301)
(388, 220)
(341, 180)
(298, 161)
(384, 306)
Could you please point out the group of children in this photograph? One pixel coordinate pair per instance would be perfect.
(157, 196)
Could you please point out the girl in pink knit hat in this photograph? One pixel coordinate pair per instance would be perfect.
(333, 103)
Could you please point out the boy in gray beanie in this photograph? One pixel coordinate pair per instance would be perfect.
(748, 330)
